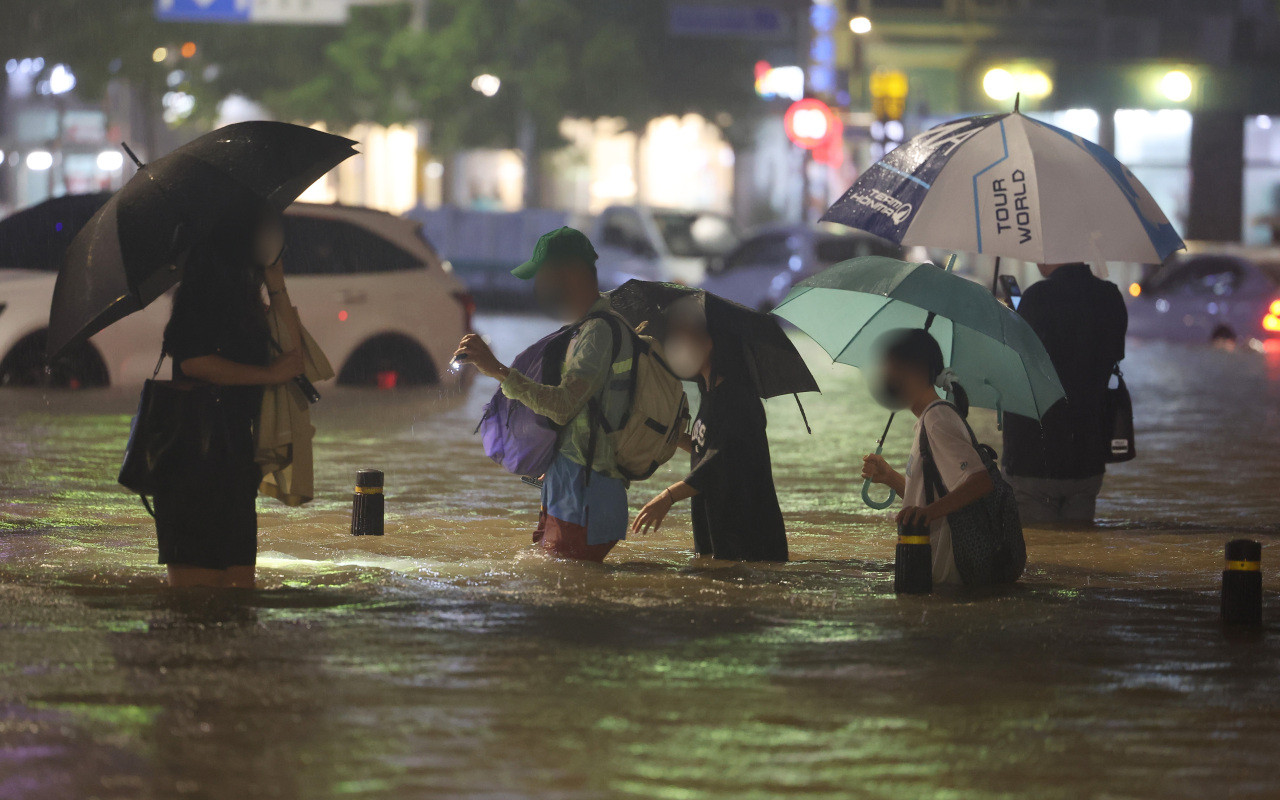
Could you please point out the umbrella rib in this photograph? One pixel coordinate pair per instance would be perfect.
(863, 327)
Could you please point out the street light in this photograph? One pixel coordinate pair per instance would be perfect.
(1176, 85)
(159, 54)
(39, 160)
(860, 25)
(999, 84)
(486, 84)
(110, 160)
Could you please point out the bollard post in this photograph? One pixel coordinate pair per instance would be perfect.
(1242, 583)
(913, 560)
(367, 504)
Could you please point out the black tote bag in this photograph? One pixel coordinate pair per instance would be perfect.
(1117, 421)
(176, 420)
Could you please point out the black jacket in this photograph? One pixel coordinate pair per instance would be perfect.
(1082, 321)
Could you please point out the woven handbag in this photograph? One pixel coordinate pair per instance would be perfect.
(986, 535)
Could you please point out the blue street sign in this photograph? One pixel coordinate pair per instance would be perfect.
(203, 10)
(696, 19)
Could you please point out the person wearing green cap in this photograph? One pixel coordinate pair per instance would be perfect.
(583, 515)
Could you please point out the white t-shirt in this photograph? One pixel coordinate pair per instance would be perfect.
(956, 460)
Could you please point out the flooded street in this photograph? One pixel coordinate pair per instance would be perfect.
(448, 659)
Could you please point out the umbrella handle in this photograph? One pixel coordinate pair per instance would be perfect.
(866, 484)
(866, 496)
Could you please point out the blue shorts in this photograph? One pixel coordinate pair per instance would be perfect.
(600, 507)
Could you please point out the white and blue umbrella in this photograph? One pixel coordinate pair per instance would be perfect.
(1009, 186)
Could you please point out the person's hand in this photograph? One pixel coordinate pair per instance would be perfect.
(914, 514)
(653, 513)
(273, 276)
(876, 469)
(473, 350)
(287, 367)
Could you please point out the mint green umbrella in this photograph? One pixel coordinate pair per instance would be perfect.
(998, 358)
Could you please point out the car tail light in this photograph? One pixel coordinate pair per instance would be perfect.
(468, 304)
(1271, 320)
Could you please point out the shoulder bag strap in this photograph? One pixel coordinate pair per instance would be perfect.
(933, 485)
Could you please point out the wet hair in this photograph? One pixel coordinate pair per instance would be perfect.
(220, 275)
(917, 349)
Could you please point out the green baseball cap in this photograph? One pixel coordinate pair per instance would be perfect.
(561, 244)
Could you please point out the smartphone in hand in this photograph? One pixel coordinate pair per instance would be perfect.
(534, 482)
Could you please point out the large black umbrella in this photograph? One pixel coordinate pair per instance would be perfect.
(772, 362)
(131, 251)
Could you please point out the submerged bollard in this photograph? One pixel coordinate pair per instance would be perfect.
(913, 564)
(1242, 583)
(367, 504)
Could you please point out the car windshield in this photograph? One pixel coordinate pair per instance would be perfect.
(695, 234)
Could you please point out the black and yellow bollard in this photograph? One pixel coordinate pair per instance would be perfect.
(1242, 583)
(367, 504)
(913, 560)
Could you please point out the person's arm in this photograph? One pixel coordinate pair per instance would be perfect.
(685, 442)
(224, 372)
(278, 299)
(655, 511)
(957, 462)
(585, 372)
(877, 470)
(974, 488)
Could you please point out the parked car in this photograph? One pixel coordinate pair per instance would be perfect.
(761, 270)
(633, 241)
(1212, 294)
(373, 292)
(656, 244)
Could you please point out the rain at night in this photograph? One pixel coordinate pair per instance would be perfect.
(653, 399)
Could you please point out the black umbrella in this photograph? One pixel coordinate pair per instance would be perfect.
(131, 251)
(38, 237)
(771, 360)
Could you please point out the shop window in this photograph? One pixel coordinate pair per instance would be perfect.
(1156, 147)
(1262, 180)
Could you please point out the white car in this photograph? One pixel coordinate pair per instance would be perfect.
(656, 244)
(379, 301)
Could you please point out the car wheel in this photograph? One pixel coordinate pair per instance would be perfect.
(388, 362)
(1222, 335)
(26, 365)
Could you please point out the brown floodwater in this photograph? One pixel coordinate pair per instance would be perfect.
(448, 659)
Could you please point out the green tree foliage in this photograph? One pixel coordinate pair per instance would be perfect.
(555, 58)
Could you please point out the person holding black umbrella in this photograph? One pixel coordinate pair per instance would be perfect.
(217, 336)
(735, 505)
(208, 214)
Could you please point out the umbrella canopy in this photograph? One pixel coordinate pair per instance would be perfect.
(999, 359)
(1007, 185)
(130, 251)
(38, 237)
(774, 366)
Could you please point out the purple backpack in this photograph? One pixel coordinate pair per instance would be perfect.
(522, 441)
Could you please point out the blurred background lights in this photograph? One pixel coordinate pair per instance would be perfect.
(110, 160)
(1002, 84)
(1176, 85)
(159, 54)
(39, 160)
(486, 84)
(860, 25)
(61, 80)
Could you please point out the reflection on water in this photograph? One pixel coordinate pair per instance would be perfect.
(447, 659)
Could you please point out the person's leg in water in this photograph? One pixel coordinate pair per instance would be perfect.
(575, 512)
(1080, 500)
(187, 577)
